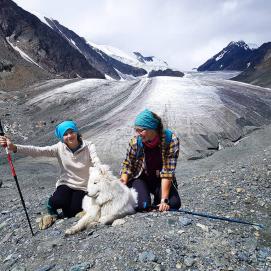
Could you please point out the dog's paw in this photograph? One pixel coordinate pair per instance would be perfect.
(102, 220)
(106, 220)
(70, 231)
(118, 222)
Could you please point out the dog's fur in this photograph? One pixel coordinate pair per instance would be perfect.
(107, 200)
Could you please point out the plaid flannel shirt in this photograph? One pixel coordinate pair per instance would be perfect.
(133, 166)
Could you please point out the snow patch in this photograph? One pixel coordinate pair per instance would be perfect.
(112, 51)
(129, 58)
(241, 44)
(221, 55)
(22, 53)
(253, 46)
(74, 44)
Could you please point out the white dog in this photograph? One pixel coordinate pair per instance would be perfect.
(107, 200)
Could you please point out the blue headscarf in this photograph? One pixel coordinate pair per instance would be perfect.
(145, 119)
(62, 127)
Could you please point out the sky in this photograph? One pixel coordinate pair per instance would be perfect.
(184, 33)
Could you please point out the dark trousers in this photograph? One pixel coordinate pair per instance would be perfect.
(67, 199)
(146, 186)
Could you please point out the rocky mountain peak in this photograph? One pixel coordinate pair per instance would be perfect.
(40, 45)
(240, 44)
(235, 56)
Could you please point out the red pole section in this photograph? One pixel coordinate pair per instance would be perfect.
(11, 165)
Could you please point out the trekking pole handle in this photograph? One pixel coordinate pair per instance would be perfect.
(1, 129)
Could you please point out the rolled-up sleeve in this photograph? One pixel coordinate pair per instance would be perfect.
(170, 159)
(128, 163)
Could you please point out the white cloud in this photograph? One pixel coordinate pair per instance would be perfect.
(185, 33)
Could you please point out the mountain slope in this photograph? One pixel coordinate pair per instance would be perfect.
(97, 58)
(235, 56)
(41, 44)
(259, 71)
(15, 71)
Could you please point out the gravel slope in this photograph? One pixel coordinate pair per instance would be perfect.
(233, 182)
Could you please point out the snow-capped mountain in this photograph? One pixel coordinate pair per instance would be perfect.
(106, 64)
(153, 65)
(28, 40)
(254, 61)
(235, 56)
(135, 59)
(110, 60)
(34, 47)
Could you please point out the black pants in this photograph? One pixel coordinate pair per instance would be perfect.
(146, 186)
(67, 199)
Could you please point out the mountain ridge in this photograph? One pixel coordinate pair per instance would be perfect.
(42, 45)
(255, 62)
(235, 56)
(55, 51)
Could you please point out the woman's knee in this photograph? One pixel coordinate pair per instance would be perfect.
(57, 202)
(60, 198)
(76, 202)
(175, 202)
(143, 194)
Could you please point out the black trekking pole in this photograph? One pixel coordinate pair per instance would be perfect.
(217, 217)
(16, 180)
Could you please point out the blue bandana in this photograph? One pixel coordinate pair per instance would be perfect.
(145, 119)
(63, 127)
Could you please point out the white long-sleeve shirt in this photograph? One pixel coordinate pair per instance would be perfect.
(74, 167)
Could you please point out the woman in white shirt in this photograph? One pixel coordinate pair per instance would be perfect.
(75, 156)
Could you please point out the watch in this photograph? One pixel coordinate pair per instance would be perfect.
(164, 201)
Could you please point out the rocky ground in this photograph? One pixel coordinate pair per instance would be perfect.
(234, 182)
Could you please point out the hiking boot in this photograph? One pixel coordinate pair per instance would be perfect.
(50, 209)
(46, 221)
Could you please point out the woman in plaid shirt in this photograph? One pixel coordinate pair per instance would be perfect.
(150, 164)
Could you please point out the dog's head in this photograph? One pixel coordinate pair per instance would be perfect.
(99, 179)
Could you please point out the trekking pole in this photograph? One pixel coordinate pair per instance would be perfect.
(16, 180)
(217, 217)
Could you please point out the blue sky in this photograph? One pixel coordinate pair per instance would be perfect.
(185, 33)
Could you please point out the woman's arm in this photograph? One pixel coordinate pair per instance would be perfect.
(170, 159)
(165, 189)
(127, 164)
(48, 151)
(168, 171)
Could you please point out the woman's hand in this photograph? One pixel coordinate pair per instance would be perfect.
(3, 141)
(165, 189)
(163, 207)
(124, 179)
(6, 142)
